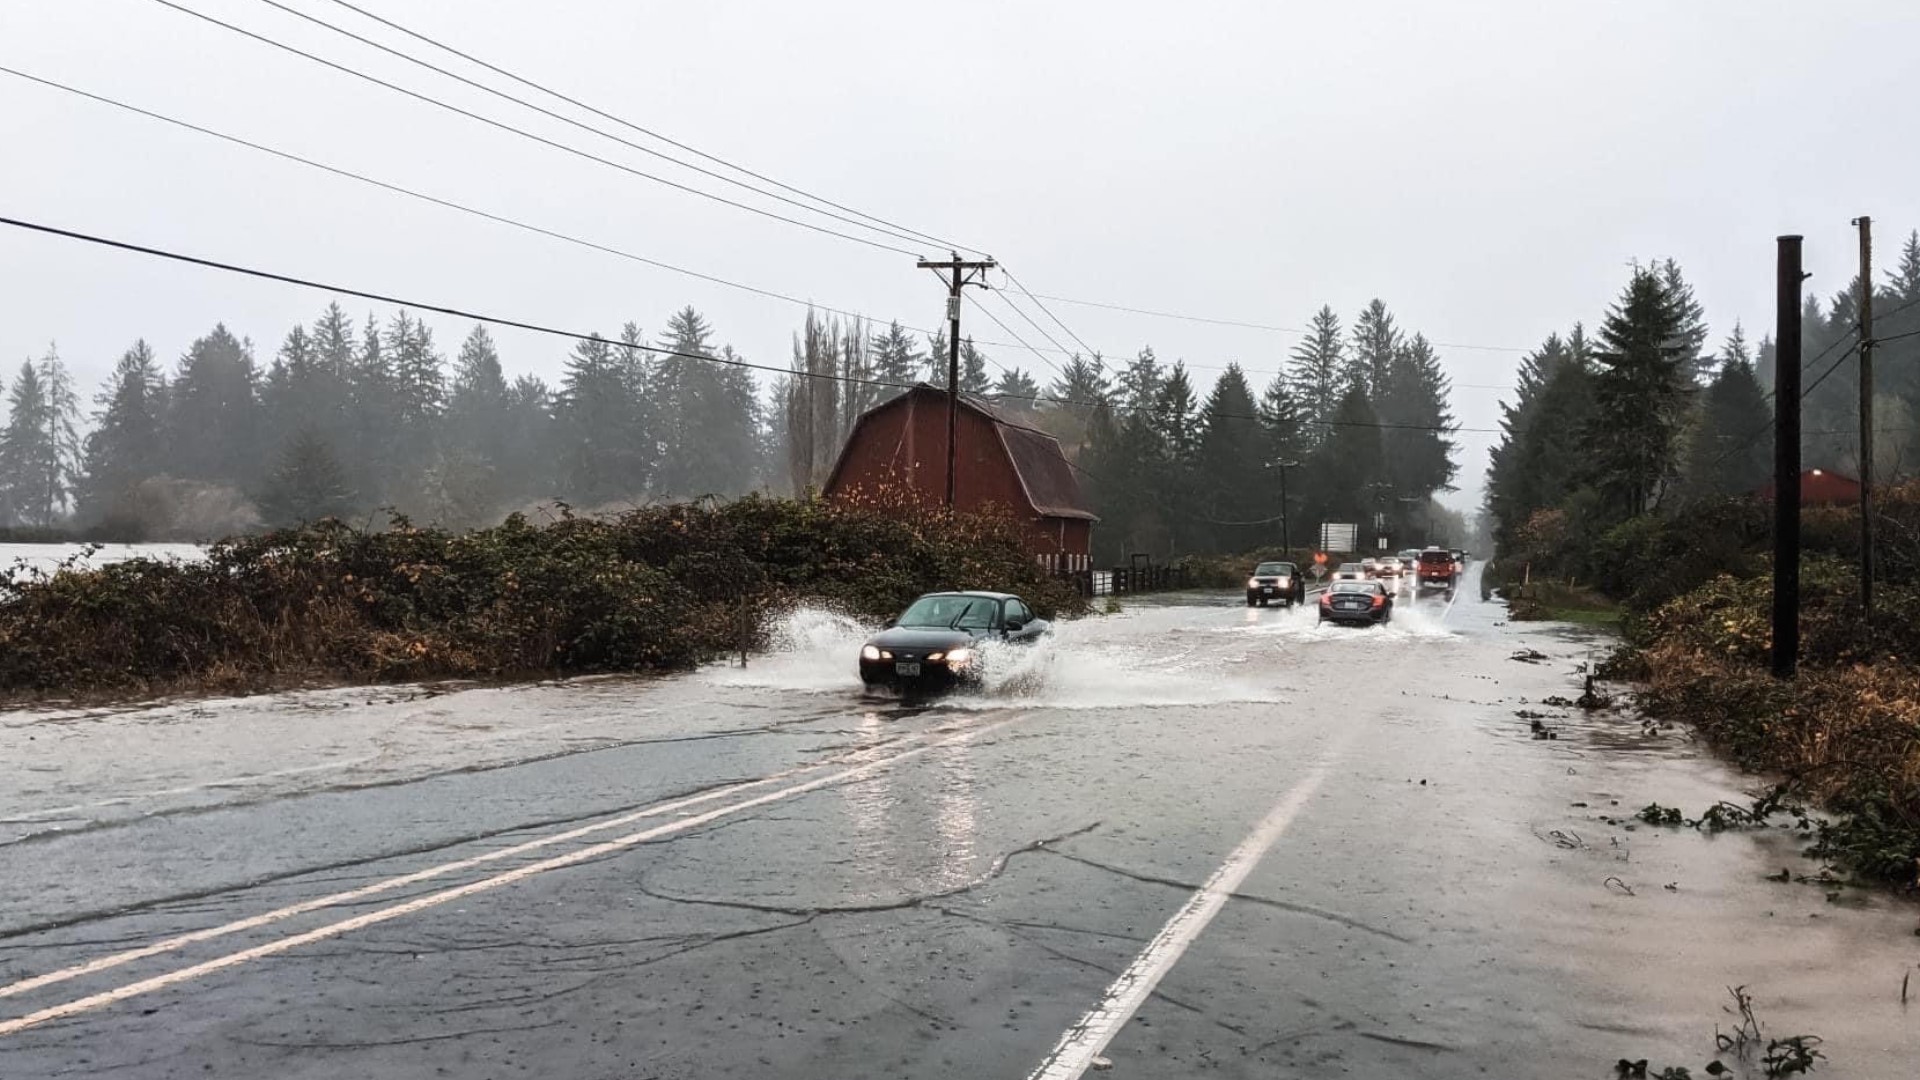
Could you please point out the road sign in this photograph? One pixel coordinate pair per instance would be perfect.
(1339, 537)
(1319, 569)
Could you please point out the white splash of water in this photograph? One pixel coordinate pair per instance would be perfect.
(1154, 657)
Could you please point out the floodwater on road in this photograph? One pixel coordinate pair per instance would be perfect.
(1190, 837)
(19, 560)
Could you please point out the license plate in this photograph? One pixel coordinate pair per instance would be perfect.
(906, 669)
(1269, 589)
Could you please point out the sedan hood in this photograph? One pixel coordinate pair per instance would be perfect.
(917, 638)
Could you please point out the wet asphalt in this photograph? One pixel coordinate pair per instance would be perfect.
(775, 876)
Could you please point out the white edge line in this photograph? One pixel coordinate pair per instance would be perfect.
(371, 918)
(1076, 1050)
(178, 941)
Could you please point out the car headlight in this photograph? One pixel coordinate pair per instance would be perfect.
(870, 652)
(958, 657)
(1253, 583)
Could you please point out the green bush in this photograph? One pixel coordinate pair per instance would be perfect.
(657, 588)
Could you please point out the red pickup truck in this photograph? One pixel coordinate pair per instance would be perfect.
(1437, 569)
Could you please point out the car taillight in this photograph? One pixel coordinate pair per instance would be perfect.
(1379, 600)
(1326, 599)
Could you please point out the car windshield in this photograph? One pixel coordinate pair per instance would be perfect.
(963, 612)
(1355, 587)
(1273, 569)
(1351, 568)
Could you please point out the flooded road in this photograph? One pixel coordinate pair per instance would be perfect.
(1188, 838)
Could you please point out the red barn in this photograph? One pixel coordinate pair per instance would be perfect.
(1823, 487)
(903, 442)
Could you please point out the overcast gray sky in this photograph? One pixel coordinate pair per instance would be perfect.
(1489, 169)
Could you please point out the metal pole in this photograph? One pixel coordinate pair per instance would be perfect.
(1786, 460)
(1866, 418)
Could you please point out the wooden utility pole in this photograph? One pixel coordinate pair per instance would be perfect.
(958, 274)
(1866, 418)
(1786, 460)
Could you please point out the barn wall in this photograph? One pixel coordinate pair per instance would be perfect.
(905, 445)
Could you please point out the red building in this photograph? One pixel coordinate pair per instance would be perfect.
(903, 443)
(1823, 487)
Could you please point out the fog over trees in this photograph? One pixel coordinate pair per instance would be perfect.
(350, 415)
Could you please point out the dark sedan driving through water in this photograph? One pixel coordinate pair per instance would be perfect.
(935, 643)
(1367, 602)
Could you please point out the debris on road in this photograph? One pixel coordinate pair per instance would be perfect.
(1529, 656)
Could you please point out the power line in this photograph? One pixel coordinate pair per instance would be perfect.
(650, 133)
(553, 234)
(1018, 284)
(540, 328)
(542, 110)
(522, 132)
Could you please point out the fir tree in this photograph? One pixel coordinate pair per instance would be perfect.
(1642, 389)
(125, 446)
(1732, 449)
(896, 360)
(973, 369)
(1016, 389)
(1318, 369)
(1230, 467)
(1376, 341)
(307, 484)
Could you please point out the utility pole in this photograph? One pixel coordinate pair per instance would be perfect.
(1786, 460)
(958, 274)
(1866, 419)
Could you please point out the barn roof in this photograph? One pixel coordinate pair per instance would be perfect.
(1045, 474)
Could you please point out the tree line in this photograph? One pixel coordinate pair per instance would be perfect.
(1639, 418)
(345, 418)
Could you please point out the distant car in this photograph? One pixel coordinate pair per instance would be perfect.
(1350, 571)
(1436, 569)
(935, 643)
(1459, 560)
(1369, 602)
(1409, 557)
(1371, 567)
(1389, 567)
(1276, 582)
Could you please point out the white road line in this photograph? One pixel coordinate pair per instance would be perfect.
(267, 918)
(1076, 1050)
(371, 918)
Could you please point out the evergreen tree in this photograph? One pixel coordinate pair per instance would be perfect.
(373, 420)
(125, 446)
(213, 428)
(477, 408)
(596, 409)
(27, 458)
(1138, 386)
(1285, 446)
(1230, 468)
(307, 484)
(1174, 414)
(1376, 341)
(937, 358)
(973, 369)
(1082, 389)
(1642, 390)
(1417, 436)
(420, 393)
(1732, 450)
(1318, 369)
(1348, 469)
(528, 451)
(1016, 390)
(707, 416)
(858, 389)
(896, 360)
(1690, 322)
